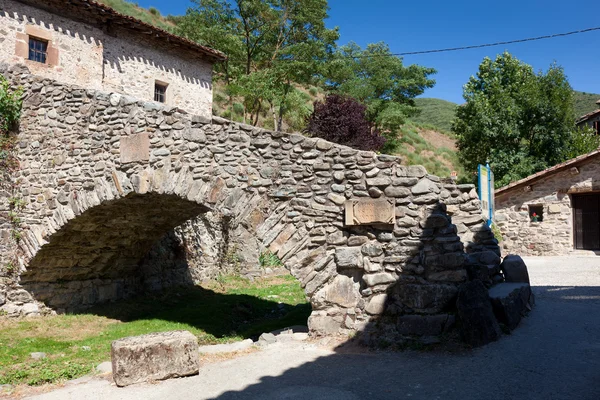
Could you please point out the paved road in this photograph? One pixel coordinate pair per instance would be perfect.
(554, 354)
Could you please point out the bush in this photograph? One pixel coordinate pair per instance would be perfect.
(343, 120)
(10, 105)
(154, 11)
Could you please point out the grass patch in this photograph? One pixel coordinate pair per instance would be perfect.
(150, 16)
(226, 310)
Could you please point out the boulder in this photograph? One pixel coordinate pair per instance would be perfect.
(514, 269)
(510, 301)
(478, 323)
(155, 356)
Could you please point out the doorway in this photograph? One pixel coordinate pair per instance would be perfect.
(586, 221)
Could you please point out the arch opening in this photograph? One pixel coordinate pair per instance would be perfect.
(100, 255)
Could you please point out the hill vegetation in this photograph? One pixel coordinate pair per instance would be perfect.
(149, 15)
(585, 103)
(435, 112)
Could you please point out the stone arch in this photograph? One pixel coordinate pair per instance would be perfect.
(85, 154)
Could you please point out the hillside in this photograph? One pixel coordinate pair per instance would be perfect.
(585, 103)
(150, 16)
(435, 112)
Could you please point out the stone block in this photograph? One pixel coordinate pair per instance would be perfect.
(342, 291)
(478, 323)
(432, 298)
(135, 148)
(424, 325)
(324, 324)
(514, 269)
(156, 356)
(509, 301)
(348, 257)
(377, 304)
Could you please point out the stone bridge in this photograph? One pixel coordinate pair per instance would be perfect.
(122, 196)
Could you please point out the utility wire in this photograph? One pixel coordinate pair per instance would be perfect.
(478, 46)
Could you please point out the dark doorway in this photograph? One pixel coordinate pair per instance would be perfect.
(586, 222)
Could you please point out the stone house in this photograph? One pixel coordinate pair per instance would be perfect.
(82, 42)
(553, 212)
(590, 120)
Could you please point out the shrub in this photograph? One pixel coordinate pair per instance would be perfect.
(343, 120)
(154, 11)
(10, 105)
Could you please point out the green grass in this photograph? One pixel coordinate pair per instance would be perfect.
(229, 309)
(151, 16)
(436, 113)
(585, 103)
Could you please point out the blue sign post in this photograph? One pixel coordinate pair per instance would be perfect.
(486, 192)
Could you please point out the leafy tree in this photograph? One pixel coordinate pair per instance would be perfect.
(343, 120)
(273, 46)
(583, 140)
(380, 80)
(519, 120)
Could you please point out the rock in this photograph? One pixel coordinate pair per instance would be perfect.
(424, 325)
(86, 348)
(478, 323)
(156, 356)
(266, 339)
(429, 298)
(372, 250)
(38, 355)
(425, 186)
(377, 304)
(342, 291)
(514, 269)
(510, 301)
(104, 368)
(324, 324)
(378, 279)
(348, 257)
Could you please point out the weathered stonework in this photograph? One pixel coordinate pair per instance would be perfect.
(93, 221)
(117, 61)
(553, 235)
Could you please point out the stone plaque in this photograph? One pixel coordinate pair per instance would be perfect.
(135, 148)
(370, 212)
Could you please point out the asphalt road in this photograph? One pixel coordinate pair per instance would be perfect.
(554, 354)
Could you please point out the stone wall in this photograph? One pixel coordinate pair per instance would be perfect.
(120, 61)
(554, 235)
(105, 176)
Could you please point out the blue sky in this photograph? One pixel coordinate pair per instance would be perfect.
(420, 25)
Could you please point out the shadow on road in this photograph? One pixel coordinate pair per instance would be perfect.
(554, 354)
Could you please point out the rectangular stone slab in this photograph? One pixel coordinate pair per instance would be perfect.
(370, 211)
(156, 356)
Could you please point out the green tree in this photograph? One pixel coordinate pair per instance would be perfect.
(519, 120)
(273, 47)
(583, 140)
(380, 80)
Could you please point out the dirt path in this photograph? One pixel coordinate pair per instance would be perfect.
(554, 354)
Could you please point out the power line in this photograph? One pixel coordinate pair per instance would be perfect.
(478, 46)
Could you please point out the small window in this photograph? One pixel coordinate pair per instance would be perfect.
(38, 50)
(160, 92)
(536, 213)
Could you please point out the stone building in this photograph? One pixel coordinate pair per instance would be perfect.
(553, 212)
(590, 120)
(85, 43)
